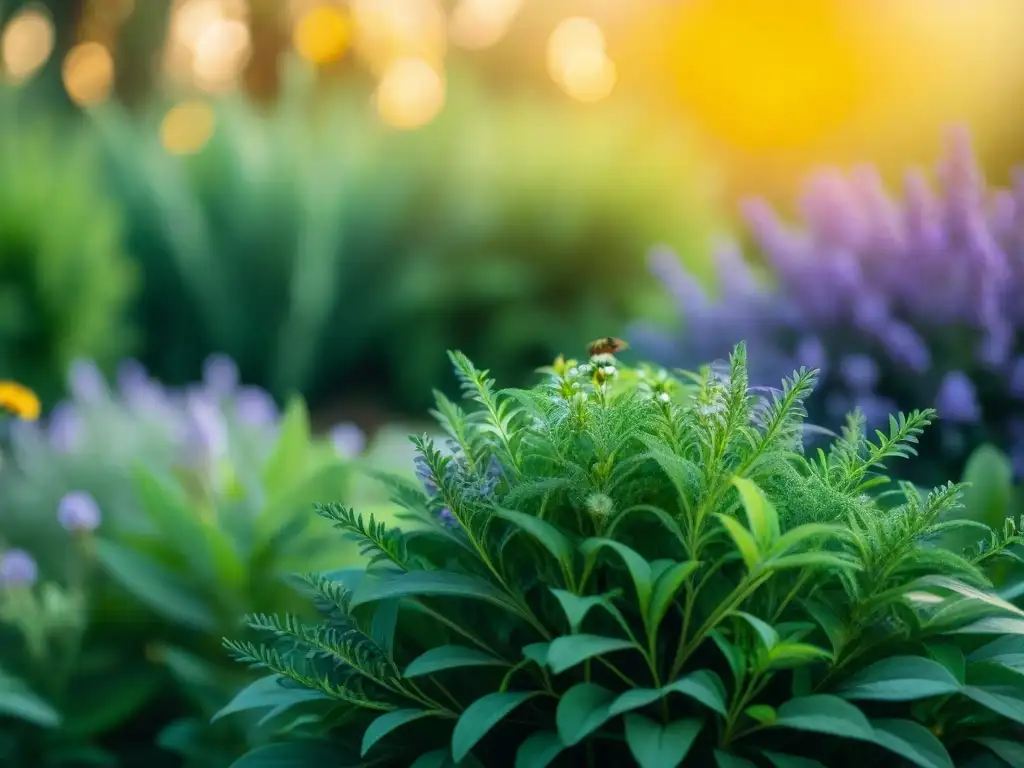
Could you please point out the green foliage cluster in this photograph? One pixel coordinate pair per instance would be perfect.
(114, 657)
(327, 252)
(65, 279)
(621, 566)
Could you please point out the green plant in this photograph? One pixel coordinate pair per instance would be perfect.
(619, 567)
(327, 252)
(65, 280)
(154, 544)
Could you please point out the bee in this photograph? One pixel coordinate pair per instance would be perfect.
(609, 345)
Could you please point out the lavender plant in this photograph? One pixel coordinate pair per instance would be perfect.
(162, 515)
(897, 301)
(625, 567)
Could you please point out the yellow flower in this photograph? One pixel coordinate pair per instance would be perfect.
(19, 400)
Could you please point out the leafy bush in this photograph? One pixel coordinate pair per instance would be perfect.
(327, 252)
(899, 302)
(65, 280)
(621, 567)
(157, 518)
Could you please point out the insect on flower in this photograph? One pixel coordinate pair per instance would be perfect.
(608, 345)
(19, 400)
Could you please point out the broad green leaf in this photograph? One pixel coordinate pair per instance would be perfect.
(449, 657)
(780, 760)
(17, 700)
(374, 588)
(972, 593)
(582, 710)
(825, 560)
(654, 745)
(745, 543)
(733, 655)
(569, 650)
(789, 655)
(821, 713)
(539, 750)
(385, 621)
(951, 657)
(762, 518)
(267, 692)
(288, 458)
(899, 678)
(768, 636)
(993, 625)
(665, 588)
(790, 539)
(829, 621)
(1004, 700)
(547, 535)
(1010, 751)
(159, 588)
(388, 722)
(298, 497)
(988, 495)
(762, 713)
(913, 742)
(1007, 650)
(290, 754)
(639, 568)
(703, 686)
(437, 758)
(537, 653)
(725, 760)
(576, 607)
(481, 716)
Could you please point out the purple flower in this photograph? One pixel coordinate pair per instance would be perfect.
(957, 399)
(425, 475)
(447, 518)
(86, 382)
(78, 511)
(220, 374)
(348, 439)
(255, 407)
(860, 372)
(65, 427)
(205, 435)
(17, 569)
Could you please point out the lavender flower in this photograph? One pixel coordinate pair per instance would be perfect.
(348, 439)
(913, 299)
(255, 407)
(86, 382)
(447, 518)
(220, 374)
(17, 569)
(425, 476)
(205, 434)
(78, 511)
(64, 428)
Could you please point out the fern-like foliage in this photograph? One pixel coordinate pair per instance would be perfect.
(624, 566)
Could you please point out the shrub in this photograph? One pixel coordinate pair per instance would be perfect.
(329, 253)
(157, 518)
(899, 302)
(65, 280)
(621, 567)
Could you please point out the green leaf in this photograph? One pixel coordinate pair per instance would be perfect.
(569, 650)
(656, 746)
(577, 607)
(115, 696)
(789, 655)
(1007, 650)
(537, 653)
(762, 518)
(481, 716)
(762, 713)
(684, 474)
(1010, 751)
(790, 761)
(829, 621)
(993, 625)
(913, 742)
(703, 686)
(290, 754)
(821, 713)
(437, 758)
(375, 587)
(582, 710)
(988, 495)
(745, 543)
(951, 657)
(725, 760)
(156, 586)
(449, 657)
(733, 655)
(539, 750)
(288, 458)
(899, 678)
(19, 701)
(265, 693)
(665, 588)
(387, 723)
(639, 568)
(547, 535)
(971, 593)
(1004, 700)
(790, 539)
(769, 637)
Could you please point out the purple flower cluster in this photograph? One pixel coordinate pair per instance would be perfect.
(902, 303)
(471, 485)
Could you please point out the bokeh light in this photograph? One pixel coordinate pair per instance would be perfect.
(88, 74)
(411, 93)
(577, 60)
(221, 51)
(322, 34)
(26, 43)
(187, 127)
(388, 30)
(209, 44)
(479, 24)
